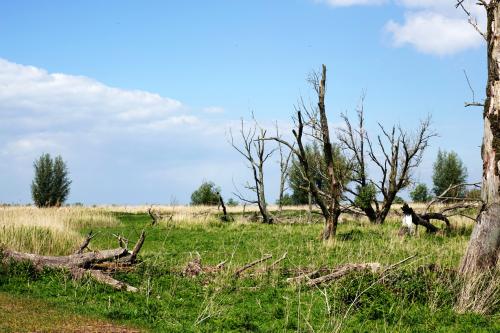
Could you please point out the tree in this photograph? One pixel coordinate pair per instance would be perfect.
(60, 183)
(232, 203)
(395, 153)
(286, 200)
(449, 170)
(483, 251)
(51, 185)
(206, 194)
(41, 187)
(317, 123)
(420, 193)
(253, 149)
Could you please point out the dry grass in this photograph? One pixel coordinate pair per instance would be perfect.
(49, 230)
(480, 293)
(57, 230)
(204, 214)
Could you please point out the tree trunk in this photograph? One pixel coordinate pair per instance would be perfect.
(266, 217)
(310, 203)
(483, 250)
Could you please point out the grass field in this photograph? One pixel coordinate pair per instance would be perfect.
(418, 296)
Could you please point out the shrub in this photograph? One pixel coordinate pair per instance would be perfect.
(206, 194)
(420, 193)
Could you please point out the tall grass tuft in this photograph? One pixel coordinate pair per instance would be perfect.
(49, 231)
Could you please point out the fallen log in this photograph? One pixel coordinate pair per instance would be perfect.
(419, 220)
(80, 263)
(314, 278)
(344, 270)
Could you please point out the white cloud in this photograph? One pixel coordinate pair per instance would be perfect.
(434, 33)
(348, 3)
(213, 109)
(436, 27)
(33, 98)
(112, 138)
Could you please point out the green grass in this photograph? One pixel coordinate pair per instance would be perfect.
(416, 297)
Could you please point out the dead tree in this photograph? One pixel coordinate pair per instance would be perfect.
(80, 263)
(284, 162)
(316, 123)
(253, 149)
(395, 153)
(483, 252)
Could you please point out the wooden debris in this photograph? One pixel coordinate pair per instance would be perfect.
(314, 278)
(85, 243)
(344, 270)
(253, 263)
(81, 263)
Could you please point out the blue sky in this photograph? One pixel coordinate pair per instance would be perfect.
(138, 96)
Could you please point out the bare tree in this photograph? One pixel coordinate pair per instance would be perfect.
(483, 252)
(395, 153)
(253, 149)
(316, 123)
(284, 162)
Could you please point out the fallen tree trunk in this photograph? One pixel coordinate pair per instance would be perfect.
(420, 220)
(80, 263)
(314, 278)
(344, 270)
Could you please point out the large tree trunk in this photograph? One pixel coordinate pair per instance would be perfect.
(331, 221)
(483, 250)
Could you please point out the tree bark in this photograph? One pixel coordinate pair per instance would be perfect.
(483, 250)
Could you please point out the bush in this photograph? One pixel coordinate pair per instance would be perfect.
(206, 194)
(232, 203)
(420, 193)
(398, 200)
(51, 185)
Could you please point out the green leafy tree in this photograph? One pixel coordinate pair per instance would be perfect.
(206, 194)
(51, 185)
(286, 200)
(420, 193)
(449, 170)
(232, 203)
(60, 182)
(299, 186)
(398, 200)
(365, 196)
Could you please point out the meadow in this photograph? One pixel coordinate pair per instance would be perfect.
(416, 296)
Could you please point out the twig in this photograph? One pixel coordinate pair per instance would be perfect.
(253, 263)
(278, 261)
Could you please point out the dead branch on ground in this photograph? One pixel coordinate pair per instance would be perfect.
(80, 263)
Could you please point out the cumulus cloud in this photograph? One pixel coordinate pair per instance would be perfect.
(436, 27)
(31, 97)
(434, 33)
(430, 26)
(111, 137)
(348, 3)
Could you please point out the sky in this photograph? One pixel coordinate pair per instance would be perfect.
(138, 97)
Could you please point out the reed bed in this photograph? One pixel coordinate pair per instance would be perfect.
(54, 231)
